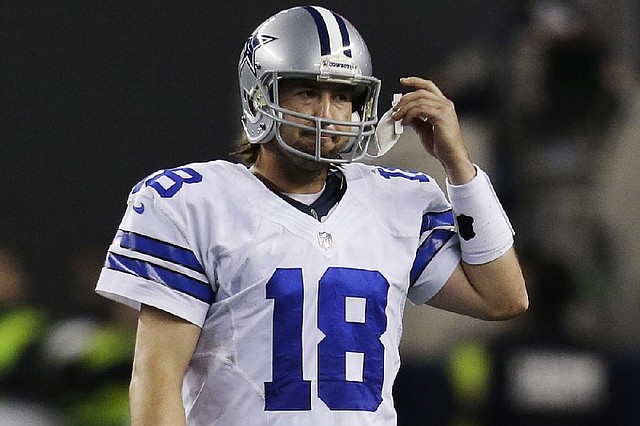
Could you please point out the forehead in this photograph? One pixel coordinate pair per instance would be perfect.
(288, 83)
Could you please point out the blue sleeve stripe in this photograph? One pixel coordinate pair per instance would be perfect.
(433, 220)
(161, 250)
(139, 268)
(427, 251)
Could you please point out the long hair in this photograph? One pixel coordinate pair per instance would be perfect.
(246, 151)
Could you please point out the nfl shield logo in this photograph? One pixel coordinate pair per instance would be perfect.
(325, 240)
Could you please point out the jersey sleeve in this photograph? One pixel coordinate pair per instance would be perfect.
(438, 252)
(151, 261)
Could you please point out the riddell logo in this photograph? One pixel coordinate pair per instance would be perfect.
(341, 65)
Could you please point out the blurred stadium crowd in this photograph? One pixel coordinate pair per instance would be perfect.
(557, 109)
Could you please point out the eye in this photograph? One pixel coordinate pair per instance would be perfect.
(307, 94)
(344, 96)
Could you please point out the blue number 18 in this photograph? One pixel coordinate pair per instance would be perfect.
(346, 334)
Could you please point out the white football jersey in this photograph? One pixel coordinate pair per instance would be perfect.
(301, 319)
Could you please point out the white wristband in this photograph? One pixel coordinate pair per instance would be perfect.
(483, 226)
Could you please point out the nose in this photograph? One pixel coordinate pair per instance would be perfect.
(324, 107)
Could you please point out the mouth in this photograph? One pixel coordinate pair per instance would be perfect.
(328, 144)
(312, 135)
(310, 139)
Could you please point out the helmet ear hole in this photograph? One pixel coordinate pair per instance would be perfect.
(248, 101)
(257, 102)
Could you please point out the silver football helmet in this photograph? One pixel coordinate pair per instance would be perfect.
(314, 43)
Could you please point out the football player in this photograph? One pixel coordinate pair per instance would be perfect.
(271, 292)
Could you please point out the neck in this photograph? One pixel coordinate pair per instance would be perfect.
(290, 175)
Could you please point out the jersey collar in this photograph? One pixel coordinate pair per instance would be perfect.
(335, 187)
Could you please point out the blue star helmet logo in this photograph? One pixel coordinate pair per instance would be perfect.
(254, 42)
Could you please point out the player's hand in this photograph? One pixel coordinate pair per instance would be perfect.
(432, 115)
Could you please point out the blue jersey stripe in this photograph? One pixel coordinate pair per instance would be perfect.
(323, 32)
(427, 251)
(161, 250)
(344, 33)
(194, 288)
(433, 220)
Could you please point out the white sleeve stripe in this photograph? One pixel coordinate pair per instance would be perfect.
(116, 249)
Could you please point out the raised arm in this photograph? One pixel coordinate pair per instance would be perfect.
(488, 283)
(493, 291)
(164, 346)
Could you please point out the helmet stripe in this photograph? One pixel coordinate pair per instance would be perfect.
(344, 34)
(332, 31)
(323, 33)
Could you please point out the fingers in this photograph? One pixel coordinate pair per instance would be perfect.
(419, 108)
(426, 101)
(432, 115)
(420, 83)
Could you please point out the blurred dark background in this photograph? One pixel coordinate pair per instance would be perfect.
(96, 95)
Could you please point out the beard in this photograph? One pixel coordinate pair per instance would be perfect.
(298, 161)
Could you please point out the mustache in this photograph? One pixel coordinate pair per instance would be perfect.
(313, 133)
